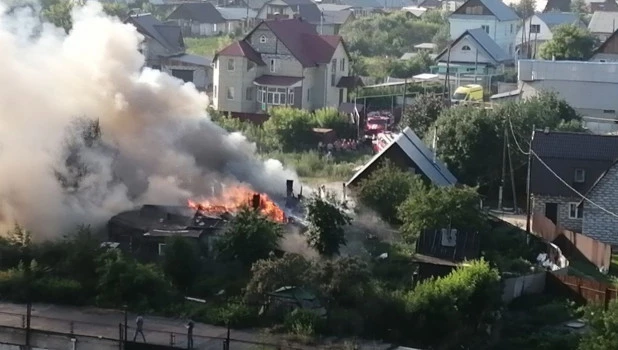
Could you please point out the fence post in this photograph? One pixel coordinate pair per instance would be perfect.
(172, 339)
(120, 336)
(71, 327)
(23, 321)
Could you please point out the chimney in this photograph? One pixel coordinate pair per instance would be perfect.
(255, 201)
(289, 185)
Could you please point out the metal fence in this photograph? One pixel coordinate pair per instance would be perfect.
(172, 337)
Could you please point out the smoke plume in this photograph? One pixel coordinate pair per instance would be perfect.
(153, 141)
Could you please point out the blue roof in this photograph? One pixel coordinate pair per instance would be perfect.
(417, 151)
(487, 43)
(557, 18)
(362, 3)
(500, 10)
(395, 4)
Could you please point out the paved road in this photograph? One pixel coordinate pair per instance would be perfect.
(105, 323)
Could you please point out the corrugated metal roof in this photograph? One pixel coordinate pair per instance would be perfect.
(236, 13)
(202, 12)
(500, 10)
(194, 59)
(417, 151)
(553, 19)
(361, 3)
(168, 35)
(603, 22)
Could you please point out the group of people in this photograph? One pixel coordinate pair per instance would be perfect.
(338, 146)
(139, 330)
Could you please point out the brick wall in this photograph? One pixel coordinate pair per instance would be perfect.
(538, 206)
(597, 223)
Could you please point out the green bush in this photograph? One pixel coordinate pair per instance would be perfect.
(59, 291)
(303, 322)
(345, 322)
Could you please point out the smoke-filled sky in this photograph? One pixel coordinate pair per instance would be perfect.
(157, 143)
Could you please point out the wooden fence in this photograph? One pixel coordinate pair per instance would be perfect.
(580, 289)
(573, 245)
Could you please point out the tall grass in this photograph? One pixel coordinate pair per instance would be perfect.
(311, 164)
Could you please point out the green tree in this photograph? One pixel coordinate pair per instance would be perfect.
(525, 8)
(250, 237)
(465, 135)
(580, 7)
(326, 226)
(290, 129)
(343, 280)
(385, 189)
(181, 262)
(58, 12)
(440, 207)
(569, 42)
(387, 35)
(267, 275)
(422, 113)
(125, 281)
(115, 9)
(330, 118)
(603, 327)
(460, 304)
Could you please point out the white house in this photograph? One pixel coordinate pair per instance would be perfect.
(538, 29)
(498, 20)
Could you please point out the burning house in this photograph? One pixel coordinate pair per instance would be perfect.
(143, 232)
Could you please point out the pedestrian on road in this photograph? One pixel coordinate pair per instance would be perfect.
(139, 322)
(190, 325)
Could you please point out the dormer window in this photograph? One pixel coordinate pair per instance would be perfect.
(579, 176)
(465, 48)
(262, 39)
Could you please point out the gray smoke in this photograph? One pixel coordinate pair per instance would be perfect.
(156, 142)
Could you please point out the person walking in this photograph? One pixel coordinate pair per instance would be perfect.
(139, 323)
(190, 325)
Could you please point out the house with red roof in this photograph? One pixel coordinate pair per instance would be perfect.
(282, 62)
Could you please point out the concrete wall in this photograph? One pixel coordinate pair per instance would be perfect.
(538, 206)
(13, 338)
(597, 223)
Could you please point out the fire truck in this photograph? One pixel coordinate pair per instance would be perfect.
(382, 140)
(378, 122)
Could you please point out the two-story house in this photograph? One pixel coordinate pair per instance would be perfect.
(204, 19)
(538, 29)
(584, 162)
(497, 19)
(281, 63)
(164, 49)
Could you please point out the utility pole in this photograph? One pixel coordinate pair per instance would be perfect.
(126, 324)
(528, 199)
(503, 180)
(447, 77)
(508, 143)
(403, 95)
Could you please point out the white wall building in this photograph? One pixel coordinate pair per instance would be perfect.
(498, 20)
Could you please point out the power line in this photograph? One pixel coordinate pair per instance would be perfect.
(570, 187)
(515, 138)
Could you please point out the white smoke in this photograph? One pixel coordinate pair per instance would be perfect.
(157, 142)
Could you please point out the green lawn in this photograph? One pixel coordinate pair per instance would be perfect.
(206, 46)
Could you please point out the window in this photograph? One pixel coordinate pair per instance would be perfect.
(474, 10)
(275, 96)
(574, 211)
(230, 64)
(161, 249)
(214, 91)
(343, 65)
(485, 28)
(333, 72)
(465, 48)
(262, 39)
(609, 111)
(512, 26)
(250, 65)
(602, 61)
(230, 93)
(580, 175)
(309, 95)
(535, 28)
(273, 65)
(249, 94)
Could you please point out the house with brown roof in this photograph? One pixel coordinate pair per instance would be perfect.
(281, 63)
(608, 51)
(571, 162)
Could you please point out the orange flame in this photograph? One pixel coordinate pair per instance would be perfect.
(235, 197)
